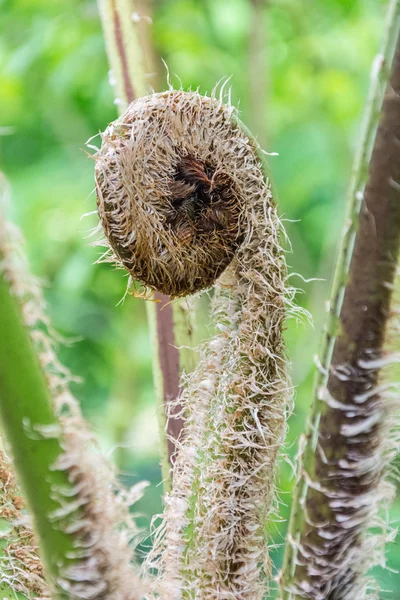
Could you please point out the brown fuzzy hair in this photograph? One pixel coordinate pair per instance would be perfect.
(169, 197)
(166, 150)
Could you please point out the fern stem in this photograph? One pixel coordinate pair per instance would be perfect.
(238, 396)
(344, 458)
(123, 50)
(80, 513)
(32, 429)
(258, 42)
(170, 328)
(159, 380)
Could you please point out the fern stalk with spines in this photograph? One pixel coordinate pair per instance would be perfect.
(349, 443)
(79, 512)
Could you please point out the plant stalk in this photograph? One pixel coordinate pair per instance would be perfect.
(258, 69)
(32, 430)
(170, 328)
(80, 513)
(343, 460)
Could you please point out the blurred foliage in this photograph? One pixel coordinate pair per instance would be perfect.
(311, 73)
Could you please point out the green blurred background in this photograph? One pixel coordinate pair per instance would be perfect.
(299, 73)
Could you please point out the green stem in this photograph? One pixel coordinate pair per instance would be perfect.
(258, 69)
(32, 430)
(355, 285)
(123, 50)
(77, 507)
(184, 315)
(159, 390)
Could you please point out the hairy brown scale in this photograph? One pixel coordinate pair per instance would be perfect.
(181, 195)
(178, 233)
(202, 203)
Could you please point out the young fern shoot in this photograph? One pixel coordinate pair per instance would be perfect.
(185, 204)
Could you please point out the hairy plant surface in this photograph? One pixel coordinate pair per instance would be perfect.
(20, 566)
(336, 532)
(169, 205)
(80, 514)
(184, 202)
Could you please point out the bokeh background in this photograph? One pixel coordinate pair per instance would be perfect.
(299, 74)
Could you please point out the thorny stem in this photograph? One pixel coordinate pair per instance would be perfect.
(355, 330)
(80, 514)
(32, 430)
(170, 327)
